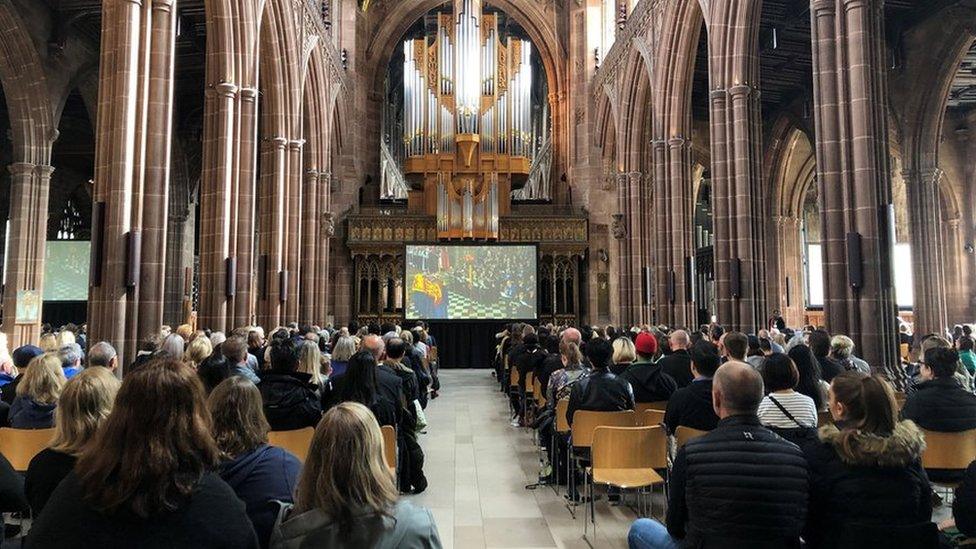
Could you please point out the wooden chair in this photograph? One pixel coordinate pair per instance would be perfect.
(650, 418)
(513, 375)
(824, 418)
(296, 441)
(949, 451)
(640, 407)
(585, 423)
(562, 423)
(626, 458)
(390, 448)
(539, 392)
(683, 434)
(20, 446)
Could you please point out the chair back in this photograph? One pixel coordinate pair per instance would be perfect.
(530, 383)
(650, 418)
(630, 448)
(389, 447)
(513, 375)
(683, 434)
(585, 423)
(296, 441)
(949, 450)
(540, 394)
(20, 446)
(562, 424)
(640, 407)
(824, 418)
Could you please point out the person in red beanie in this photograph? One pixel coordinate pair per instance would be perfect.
(648, 380)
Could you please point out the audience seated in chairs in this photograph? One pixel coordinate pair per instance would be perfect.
(939, 403)
(290, 400)
(867, 485)
(648, 380)
(678, 363)
(259, 474)
(85, 403)
(740, 485)
(691, 406)
(783, 407)
(38, 393)
(600, 391)
(146, 479)
(346, 497)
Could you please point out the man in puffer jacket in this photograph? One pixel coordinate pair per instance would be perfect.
(740, 485)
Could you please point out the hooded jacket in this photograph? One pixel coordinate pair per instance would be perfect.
(290, 401)
(941, 405)
(871, 490)
(649, 382)
(691, 406)
(260, 478)
(409, 527)
(27, 413)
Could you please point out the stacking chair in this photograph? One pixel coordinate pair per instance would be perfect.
(650, 418)
(297, 441)
(539, 392)
(949, 451)
(20, 446)
(659, 405)
(626, 458)
(529, 396)
(560, 428)
(683, 434)
(585, 423)
(390, 449)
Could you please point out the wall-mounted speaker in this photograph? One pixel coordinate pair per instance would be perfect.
(672, 289)
(690, 278)
(263, 276)
(855, 268)
(788, 291)
(97, 245)
(133, 259)
(283, 286)
(735, 278)
(230, 282)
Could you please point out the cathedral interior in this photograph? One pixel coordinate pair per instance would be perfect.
(242, 162)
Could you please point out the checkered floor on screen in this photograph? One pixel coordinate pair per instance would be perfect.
(462, 307)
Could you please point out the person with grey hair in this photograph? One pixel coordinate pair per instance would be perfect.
(71, 357)
(172, 347)
(842, 351)
(216, 338)
(104, 355)
(739, 485)
(343, 350)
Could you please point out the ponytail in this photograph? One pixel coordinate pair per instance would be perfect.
(571, 351)
(869, 404)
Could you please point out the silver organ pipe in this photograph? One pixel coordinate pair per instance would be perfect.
(468, 60)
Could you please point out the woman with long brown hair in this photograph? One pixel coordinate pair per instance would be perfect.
(346, 496)
(867, 485)
(260, 474)
(146, 479)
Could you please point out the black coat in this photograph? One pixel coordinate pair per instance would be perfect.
(290, 401)
(212, 517)
(649, 382)
(691, 406)
(830, 368)
(529, 360)
(872, 488)
(941, 405)
(741, 485)
(678, 366)
(964, 504)
(46, 470)
(551, 364)
(601, 391)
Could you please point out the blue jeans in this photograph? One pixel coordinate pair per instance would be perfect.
(650, 534)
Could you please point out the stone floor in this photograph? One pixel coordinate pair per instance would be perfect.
(478, 466)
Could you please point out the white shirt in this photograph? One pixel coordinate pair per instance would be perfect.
(800, 406)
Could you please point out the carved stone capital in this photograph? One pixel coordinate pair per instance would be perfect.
(226, 89)
(296, 144)
(21, 168)
(249, 94)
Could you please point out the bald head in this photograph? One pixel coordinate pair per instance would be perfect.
(737, 389)
(679, 340)
(572, 335)
(374, 344)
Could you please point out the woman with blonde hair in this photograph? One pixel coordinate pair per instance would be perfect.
(197, 350)
(66, 337)
(343, 350)
(310, 362)
(49, 343)
(38, 393)
(258, 473)
(624, 354)
(7, 369)
(85, 403)
(346, 497)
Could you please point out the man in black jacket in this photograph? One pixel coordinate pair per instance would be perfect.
(649, 382)
(740, 485)
(678, 363)
(691, 406)
(939, 403)
(601, 391)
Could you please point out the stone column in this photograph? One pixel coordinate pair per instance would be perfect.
(662, 234)
(273, 224)
(787, 278)
(853, 172)
(637, 211)
(622, 231)
(179, 258)
(24, 283)
(680, 213)
(293, 236)
(326, 230)
(131, 168)
(928, 250)
(311, 223)
(243, 245)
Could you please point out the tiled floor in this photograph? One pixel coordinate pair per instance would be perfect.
(478, 466)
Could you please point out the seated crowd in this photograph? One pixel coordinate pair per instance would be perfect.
(800, 441)
(177, 453)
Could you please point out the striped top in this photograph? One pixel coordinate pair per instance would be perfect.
(799, 405)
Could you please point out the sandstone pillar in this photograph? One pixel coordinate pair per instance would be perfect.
(853, 172)
(24, 283)
(310, 276)
(928, 250)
